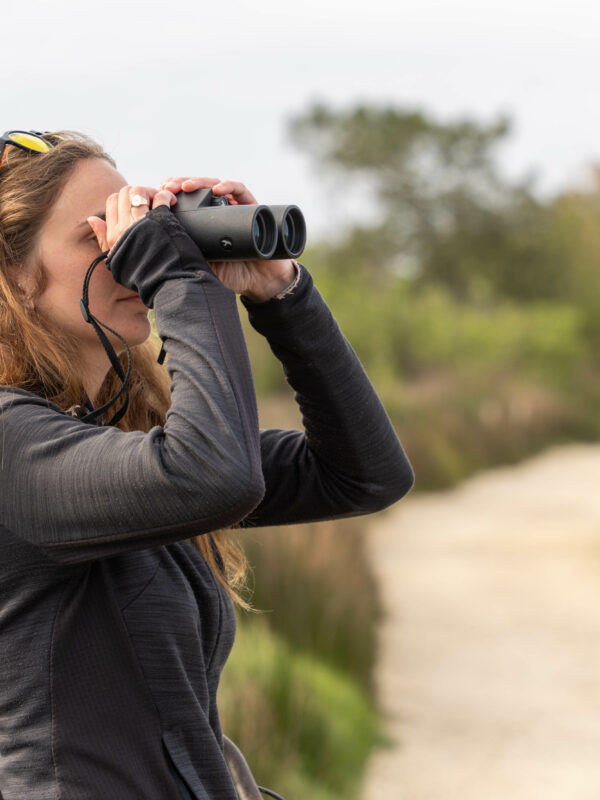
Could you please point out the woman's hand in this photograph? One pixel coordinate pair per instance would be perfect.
(256, 280)
(121, 214)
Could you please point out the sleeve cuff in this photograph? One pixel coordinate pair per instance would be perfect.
(290, 296)
(289, 289)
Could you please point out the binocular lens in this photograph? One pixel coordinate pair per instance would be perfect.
(264, 232)
(258, 231)
(293, 231)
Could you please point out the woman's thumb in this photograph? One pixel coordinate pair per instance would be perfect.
(99, 227)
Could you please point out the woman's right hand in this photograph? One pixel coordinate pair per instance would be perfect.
(121, 215)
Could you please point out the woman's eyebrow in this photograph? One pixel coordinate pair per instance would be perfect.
(101, 214)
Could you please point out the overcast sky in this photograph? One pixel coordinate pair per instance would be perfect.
(192, 87)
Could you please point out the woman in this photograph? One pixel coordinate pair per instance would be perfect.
(115, 597)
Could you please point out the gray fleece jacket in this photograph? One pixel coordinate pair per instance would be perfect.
(113, 630)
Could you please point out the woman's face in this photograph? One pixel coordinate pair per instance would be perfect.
(65, 248)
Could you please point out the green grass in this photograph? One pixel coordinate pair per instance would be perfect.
(315, 587)
(305, 728)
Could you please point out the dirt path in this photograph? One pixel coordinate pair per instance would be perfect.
(490, 652)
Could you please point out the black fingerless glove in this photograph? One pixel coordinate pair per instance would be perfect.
(153, 250)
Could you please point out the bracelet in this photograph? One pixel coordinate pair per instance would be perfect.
(289, 289)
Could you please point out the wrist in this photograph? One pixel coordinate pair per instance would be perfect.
(279, 287)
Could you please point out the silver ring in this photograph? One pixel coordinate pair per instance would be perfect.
(137, 200)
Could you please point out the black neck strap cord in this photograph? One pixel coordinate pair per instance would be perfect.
(109, 349)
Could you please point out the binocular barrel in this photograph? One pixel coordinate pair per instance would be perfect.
(291, 231)
(239, 233)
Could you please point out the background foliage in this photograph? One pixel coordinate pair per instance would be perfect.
(474, 305)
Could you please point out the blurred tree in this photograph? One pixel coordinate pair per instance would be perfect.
(445, 213)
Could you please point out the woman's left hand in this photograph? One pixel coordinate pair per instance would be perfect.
(256, 280)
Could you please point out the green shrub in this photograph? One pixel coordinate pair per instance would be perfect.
(315, 585)
(305, 728)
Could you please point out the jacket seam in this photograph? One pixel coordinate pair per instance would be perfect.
(52, 694)
(138, 661)
(142, 590)
(218, 589)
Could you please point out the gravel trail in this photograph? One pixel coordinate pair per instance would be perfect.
(489, 671)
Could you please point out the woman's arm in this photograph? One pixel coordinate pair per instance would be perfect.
(348, 461)
(81, 492)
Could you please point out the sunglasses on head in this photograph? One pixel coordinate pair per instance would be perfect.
(26, 140)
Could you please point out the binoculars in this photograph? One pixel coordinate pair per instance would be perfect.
(240, 233)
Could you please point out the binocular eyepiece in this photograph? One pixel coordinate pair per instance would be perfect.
(240, 233)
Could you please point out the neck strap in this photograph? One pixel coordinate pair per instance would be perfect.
(109, 349)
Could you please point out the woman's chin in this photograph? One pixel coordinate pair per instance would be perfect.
(135, 332)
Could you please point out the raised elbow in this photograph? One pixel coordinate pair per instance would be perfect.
(222, 482)
(400, 486)
(386, 492)
(250, 495)
(236, 493)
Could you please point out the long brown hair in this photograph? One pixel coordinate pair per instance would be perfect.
(36, 357)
